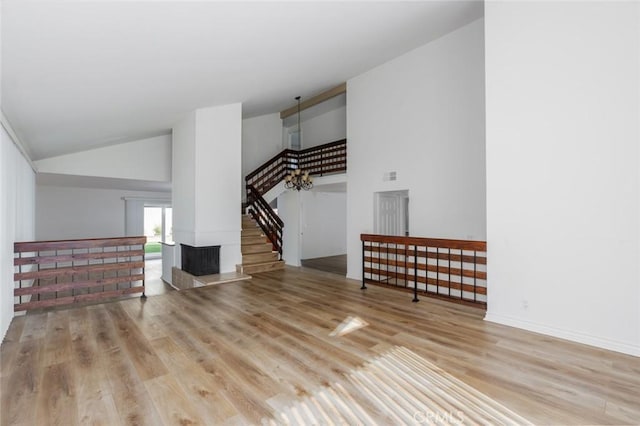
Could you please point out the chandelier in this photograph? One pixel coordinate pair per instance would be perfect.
(298, 180)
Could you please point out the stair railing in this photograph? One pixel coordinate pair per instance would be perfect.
(266, 218)
(318, 160)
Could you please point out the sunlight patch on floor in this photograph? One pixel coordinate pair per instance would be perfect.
(398, 387)
(350, 324)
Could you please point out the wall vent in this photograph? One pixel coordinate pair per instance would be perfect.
(389, 176)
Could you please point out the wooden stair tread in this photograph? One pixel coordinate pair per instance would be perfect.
(258, 261)
(257, 250)
(261, 267)
(254, 241)
(259, 257)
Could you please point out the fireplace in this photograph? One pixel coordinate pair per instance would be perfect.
(200, 260)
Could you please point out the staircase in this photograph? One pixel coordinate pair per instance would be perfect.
(258, 255)
(257, 250)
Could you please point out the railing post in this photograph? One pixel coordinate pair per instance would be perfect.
(144, 260)
(364, 287)
(415, 274)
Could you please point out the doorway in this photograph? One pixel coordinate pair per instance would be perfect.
(158, 229)
(391, 213)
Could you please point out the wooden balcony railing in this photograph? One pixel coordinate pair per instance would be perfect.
(53, 273)
(451, 269)
(318, 161)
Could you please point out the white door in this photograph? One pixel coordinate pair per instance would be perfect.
(391, 215)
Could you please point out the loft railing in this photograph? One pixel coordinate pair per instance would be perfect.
(53, 273)
(451, 269)
(319, 161)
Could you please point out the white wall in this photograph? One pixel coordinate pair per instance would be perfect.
(328, 127)
(17, 209)
(261, 140)
(563, 185)
(421, 115)
(320, 124)
(145, 159)
(71, 212)
(324, 224)
(17, 206)
(299, 208)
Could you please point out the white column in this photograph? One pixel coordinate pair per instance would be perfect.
(206, 189)
(289, 212)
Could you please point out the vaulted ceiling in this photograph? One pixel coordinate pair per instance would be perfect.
(81, 74)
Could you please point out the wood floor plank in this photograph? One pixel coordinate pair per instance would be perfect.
(146, 362)
(172, 405)
(15, 329)
(57, 403)
(262, 352)
(171, 354)
(96, 405)
(57, 338)
(197, 385)
(283, 363)
(134, 405)
(250, 407)
(35, 327)
(97, 409)
(239, 366)
(21, 385)
(141, 313)
(8, 352)
(102, 327)
(311, 342)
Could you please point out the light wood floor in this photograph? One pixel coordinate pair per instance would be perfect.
(266, 351)
(335, 264)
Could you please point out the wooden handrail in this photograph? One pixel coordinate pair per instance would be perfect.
(54, 273)
(444, 268)
(77, 244)
(321, 147)
(427, 242)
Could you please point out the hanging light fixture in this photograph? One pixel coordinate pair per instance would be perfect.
(299, 132)
(298, 179)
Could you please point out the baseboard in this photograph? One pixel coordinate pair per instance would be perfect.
(612, 345)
